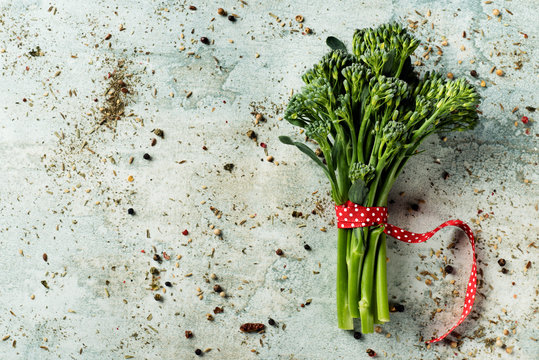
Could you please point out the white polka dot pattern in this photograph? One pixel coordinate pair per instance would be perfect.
(352, 215)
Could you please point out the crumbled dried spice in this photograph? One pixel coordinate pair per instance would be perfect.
(252, 327)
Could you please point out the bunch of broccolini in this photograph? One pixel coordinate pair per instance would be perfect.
(369, 113)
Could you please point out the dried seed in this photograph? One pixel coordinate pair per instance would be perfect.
(308, 30)
(299, 18)
(221, 12)
(188, 334)
(499, 72)
(496, 12)
(45, 257)
(231, 18)
(501, 262)
(108, 36)
(252, 327)
(279, 252)
(217, 232)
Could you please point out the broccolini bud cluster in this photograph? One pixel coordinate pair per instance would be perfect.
(318, 130)
(393, 131)
(329, 67)
(361, 171)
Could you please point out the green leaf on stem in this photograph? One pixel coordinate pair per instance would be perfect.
(335, 44)
(307, 151)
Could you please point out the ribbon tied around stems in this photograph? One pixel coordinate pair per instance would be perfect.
(350, 215)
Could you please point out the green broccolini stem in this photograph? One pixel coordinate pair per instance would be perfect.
(343, 310)
(382, 305)
(367, 283)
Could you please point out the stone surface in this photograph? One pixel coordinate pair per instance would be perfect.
(64, 191)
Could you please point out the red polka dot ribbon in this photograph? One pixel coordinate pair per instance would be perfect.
(352, 215)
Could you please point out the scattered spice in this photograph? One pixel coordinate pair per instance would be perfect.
(185, 232)
(188, 334)
(217, 288)
(449, 269)
(252, 327)
(524, 119)
(198, 352)
(307, 247)
(371, 352)
(146, 156)
(473, 73)
(279, 252)
(271, 322)
(357, 335)
(45, 257)
(221, 12)
(499, 72)
(204, 40)
(299, 18)
(159, 132)
(158, 297)
(231, 18)
(501, 262)
(108, 36)
(168, 284)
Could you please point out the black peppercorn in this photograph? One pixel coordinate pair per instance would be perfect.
(357, 335)
(271, 322)
(204, 40)
(307, 247)
(371, 352)
(449, 269)
(157, 258)
(157, 297)
(198, 352)
(231, 18)
(131, 211)
(399, 307)
(473, 73)
(217, 288)
(279, 252)
(168, 283)
(501, 262)
(147, 156)
(154, 271)
(505, 271)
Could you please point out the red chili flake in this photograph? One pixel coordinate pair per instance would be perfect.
(27, 68)
(524, 119)
(24, 100)
(252, 327)
(263, 145)
(224, 101)
(166, 256)
(204, 148)
(527, 131)
(142, 251)
(371, 353)
(185, 232)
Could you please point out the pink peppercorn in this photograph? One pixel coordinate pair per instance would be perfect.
(185, 232)
(263, 145)
(524, 119)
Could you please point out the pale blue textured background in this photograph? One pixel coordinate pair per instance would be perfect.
(43, 209)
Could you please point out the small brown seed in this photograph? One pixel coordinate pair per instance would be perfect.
(499, 72)
(308, 30)
(217, 288)
(270, 158)
(188, 334)
(108, 36)
(222, 294)
(221, 12)
(213, 276)
(279, 252)
(217, 232)
(299, 18)
(153, 142)
(192, 7)
(158, 297)
(450, 76)
(496, 12)
(45, 257)
(259, 118)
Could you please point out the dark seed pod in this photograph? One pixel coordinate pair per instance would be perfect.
(252, 327)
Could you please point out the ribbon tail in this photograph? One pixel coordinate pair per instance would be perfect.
(471, 288)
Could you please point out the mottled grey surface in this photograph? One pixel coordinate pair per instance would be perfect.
(60, 198)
